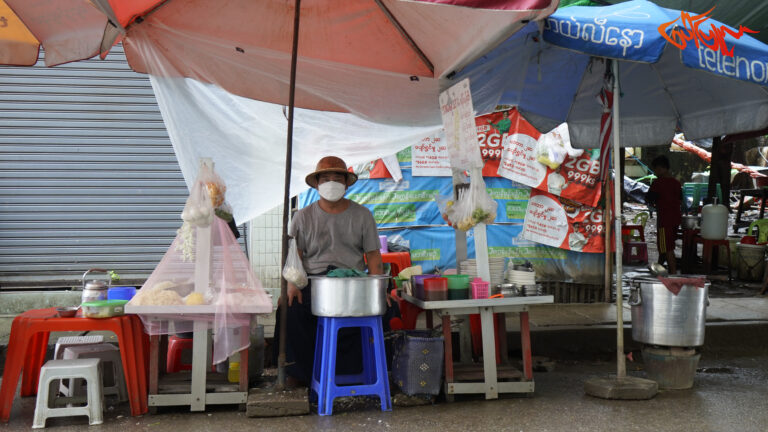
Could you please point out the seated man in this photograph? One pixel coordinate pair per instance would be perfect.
(333, 232)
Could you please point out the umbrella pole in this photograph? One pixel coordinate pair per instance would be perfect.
(621, 365)
(621, 386)
(283, 304)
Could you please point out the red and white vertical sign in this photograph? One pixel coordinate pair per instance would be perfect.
(459, 124)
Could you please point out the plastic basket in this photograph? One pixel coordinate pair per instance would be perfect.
(417, 366)
(479, 288)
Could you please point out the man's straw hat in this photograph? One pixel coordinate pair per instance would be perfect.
(330, 164)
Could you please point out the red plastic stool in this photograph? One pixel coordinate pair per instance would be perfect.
(707, 252)
(476, 331)
(635, 252)
(632, 233)
(176, 346)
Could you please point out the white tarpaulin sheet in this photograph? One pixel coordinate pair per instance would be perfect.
(246, 140)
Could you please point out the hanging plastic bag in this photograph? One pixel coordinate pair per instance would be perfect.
(208, 193)
(293, 271)
(474, 205)
(554, 146)
(446, 206)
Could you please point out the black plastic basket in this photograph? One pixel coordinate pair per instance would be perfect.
(417, 367)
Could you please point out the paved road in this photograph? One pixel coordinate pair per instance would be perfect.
(729, 395)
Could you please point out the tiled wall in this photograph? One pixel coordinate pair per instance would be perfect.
(264, 241)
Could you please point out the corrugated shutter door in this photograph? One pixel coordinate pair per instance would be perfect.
(88, 177)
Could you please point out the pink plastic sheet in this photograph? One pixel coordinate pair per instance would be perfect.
(170, 302)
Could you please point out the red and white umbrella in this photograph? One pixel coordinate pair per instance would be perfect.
(379, 59)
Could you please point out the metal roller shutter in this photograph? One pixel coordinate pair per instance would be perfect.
(88, 177)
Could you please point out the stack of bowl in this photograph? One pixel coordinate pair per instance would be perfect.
(495, 265)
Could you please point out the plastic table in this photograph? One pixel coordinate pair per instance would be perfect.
(29, 341)
(485, 308)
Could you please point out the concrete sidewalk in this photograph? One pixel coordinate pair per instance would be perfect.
(728, 394)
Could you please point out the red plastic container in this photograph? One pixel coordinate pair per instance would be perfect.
(435, 288)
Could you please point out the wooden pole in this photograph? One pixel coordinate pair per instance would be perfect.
(283, 304)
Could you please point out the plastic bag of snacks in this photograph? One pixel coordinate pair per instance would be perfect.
(473, 205)
(293, 271)
(445, 205)
(553, 147)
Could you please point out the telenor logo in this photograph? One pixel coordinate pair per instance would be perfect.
(713, 39)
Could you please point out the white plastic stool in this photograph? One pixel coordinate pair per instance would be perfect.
(113, 377)
(47, 394)
(68, 341)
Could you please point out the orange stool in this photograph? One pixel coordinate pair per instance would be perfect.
(29, 340)
(706, 254)
(635, 252)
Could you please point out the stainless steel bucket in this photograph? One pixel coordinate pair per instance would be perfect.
(662, 318)
(349, 297)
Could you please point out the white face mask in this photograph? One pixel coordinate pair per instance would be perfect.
(332, 191)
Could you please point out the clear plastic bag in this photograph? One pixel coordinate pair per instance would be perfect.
(293, 271)
(553, 147)
(207, 194)
(446, 206)
(473, 205)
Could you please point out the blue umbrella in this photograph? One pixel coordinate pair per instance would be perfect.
(701, 91)
(672, 71)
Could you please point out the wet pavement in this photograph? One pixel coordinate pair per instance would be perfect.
(728, 395)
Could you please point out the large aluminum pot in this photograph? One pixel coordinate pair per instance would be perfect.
(349, 297)
(662, 318)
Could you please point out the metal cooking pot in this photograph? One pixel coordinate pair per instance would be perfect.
(95, 290)
(349, 297)
(690, 222)
(662, 318)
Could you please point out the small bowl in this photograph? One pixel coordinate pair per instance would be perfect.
(67, 312)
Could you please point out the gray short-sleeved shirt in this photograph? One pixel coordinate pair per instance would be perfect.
(334, 239)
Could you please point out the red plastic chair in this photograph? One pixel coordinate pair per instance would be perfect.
(29, 341)
(398, 260)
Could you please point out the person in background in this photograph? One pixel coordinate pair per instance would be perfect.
(331, 233)
(666, 194)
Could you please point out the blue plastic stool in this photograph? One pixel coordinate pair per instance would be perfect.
(372, 381)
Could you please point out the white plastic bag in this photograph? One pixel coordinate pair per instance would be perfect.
(554, 146)
(293, 271)
(473, 205)
(445, 205)
(198, 210)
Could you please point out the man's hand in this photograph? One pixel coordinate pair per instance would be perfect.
(293, 291)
